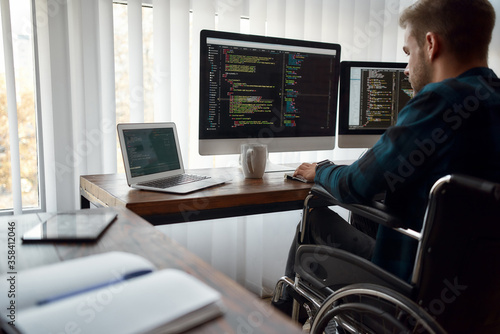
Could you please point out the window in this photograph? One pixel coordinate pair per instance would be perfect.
(26, 179)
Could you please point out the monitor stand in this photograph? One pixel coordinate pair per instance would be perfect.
(272, 167)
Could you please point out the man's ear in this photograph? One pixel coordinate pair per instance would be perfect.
(432, 45)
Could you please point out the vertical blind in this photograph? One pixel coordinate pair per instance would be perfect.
(80, 114)
(11, 106)
(77, 72)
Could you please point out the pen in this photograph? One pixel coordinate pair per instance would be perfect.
(94, 287)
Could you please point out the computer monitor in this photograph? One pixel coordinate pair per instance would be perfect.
(371, 96)
(276, 91)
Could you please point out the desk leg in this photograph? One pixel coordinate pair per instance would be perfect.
(84, 203)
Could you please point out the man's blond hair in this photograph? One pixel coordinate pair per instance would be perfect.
(464, 25)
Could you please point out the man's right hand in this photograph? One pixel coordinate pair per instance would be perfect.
(307, 171)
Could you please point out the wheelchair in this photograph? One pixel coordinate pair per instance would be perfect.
(455, 282)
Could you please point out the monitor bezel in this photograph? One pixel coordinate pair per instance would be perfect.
(349, 138)
(275, 144)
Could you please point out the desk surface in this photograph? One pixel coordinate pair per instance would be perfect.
(245, 312)
(237, 197)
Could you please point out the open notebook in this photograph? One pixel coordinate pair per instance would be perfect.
(113, 292)
(153, 160)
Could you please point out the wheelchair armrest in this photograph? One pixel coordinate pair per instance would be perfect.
(373, 210)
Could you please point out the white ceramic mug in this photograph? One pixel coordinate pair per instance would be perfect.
(253, 160)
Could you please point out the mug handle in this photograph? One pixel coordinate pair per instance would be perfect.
(249, 160)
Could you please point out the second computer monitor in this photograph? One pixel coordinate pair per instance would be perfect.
(371, 96)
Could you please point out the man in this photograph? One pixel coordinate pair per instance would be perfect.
(452, 125)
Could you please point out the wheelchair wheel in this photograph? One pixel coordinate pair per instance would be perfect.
(369, 308)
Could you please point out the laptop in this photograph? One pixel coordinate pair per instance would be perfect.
(153, 160)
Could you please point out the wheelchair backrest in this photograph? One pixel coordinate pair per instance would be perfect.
(457, 271)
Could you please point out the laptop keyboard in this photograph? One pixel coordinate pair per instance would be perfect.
(174, 181)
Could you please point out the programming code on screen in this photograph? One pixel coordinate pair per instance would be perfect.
(377, 96)
(293, 93)
(151, 151)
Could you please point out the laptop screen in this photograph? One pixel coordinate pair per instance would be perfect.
(151, 151)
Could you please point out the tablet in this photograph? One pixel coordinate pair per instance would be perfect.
(84, 225)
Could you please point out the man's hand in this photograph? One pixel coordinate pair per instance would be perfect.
(307, 171)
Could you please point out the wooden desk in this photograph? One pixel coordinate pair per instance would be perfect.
(245, 313)
(238, 197)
